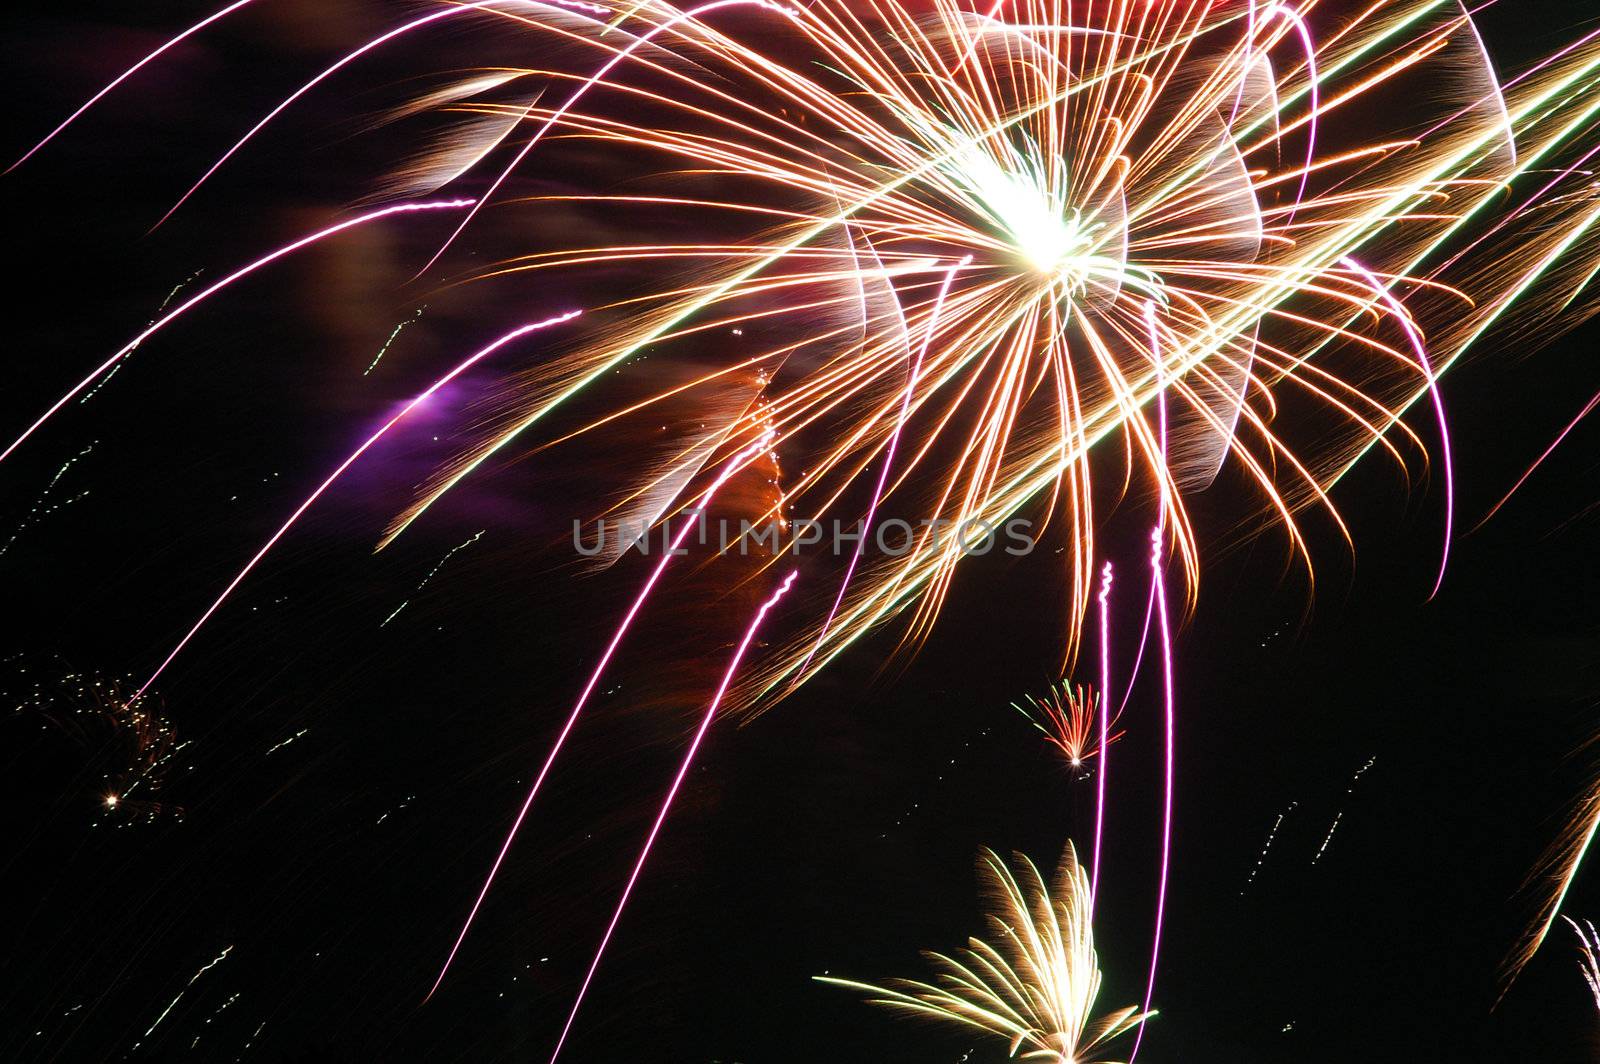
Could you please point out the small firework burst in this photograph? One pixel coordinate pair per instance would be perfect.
(1068, 715)
(146, 747)
(125, 737)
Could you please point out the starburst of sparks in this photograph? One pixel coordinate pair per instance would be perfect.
(1067, 716)
(1131, 200)
(1034, 982)
(1024, 262)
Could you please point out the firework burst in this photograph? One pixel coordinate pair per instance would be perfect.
(944, 268)
(1035, 983)
(971, 248)
(1067, 716)
(125, 739)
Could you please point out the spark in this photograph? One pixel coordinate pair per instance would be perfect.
(96, 713)
(912, 374)
(1420, 347)
(126, 74)
(165, 303)
(1588, 408)
(1554, 874)
(738, 462)
(1588, 955)
(339, 471)
(39, 509)
(218, 959)
(213, 1016)
(279, 746)
(1168, 701)
(403, 805)
(939, 777)
(1105, 731)
(431, 574)
(1348, 791)
(238, 275)
(398, 329)
(1066, 716)
(1328, 837)
(1261, 858)
(251, 1041)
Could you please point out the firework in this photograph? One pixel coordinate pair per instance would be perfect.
(1339, 816)
(125, 736)
(976, 246)
(738, 462)
(193, 979)
(1067, 716)
(968, 267)
(1553, 875)
(1035, 984)
(666, 802)
(1266, 847)
(1589, 955)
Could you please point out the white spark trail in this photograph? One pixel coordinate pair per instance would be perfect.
(165, 303)
(1348, 791)
(286, 742)
(39, 510)
(431, 574)
(398, 329)
(218, 959)
(1261, 858)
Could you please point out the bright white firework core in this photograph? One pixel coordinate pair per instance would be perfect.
(1046, 235)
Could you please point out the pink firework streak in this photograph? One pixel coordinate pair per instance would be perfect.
(1169, 716)
(666, 804)
(1309, 43)
(734, 464)
(1153, 332)
(126, 74)
(481, 6)
(1138, 657)
(339, 472)
(1105, 730)
(239, 274)
(1158, 592)
(1588, 408)
(1420, 348)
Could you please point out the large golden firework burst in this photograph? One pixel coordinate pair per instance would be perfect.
(967, 264)
(1011, 261)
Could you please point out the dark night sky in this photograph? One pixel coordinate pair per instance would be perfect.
(837, 833)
